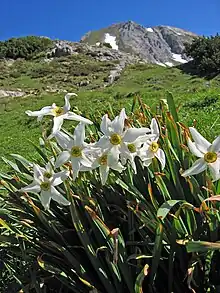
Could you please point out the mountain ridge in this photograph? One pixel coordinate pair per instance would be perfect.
(153, 44)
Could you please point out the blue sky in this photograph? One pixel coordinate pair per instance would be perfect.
(70, 19)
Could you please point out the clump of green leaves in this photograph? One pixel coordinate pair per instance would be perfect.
(154, 231)
(24, 47)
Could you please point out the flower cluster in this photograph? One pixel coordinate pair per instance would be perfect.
(117, 146)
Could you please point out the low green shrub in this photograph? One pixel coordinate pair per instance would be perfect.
(41, 70)
(24, 47)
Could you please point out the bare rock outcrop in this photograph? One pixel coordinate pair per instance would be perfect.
(163, 45)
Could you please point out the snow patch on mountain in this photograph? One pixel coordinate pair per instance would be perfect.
(170, 64)
(149, 29)
(178, 58)
(161, 64)
(111, 40)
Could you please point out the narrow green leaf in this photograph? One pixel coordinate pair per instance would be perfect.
(140, 279)
(156, 252)
(166, 207)
(11, 164)
(202, 246)
(21, 159)
(172, 107)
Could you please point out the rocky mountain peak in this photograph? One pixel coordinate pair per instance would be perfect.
(163, 45)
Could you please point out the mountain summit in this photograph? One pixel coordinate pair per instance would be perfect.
(163, 45)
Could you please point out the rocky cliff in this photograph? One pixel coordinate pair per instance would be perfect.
(163, 45)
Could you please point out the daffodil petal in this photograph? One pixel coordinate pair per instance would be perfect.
(39, 118)
(160, 155)
(103, 143)
(86, 169)
(145, 138)
(33, 187)
(62, 158)
(59, 177)
(123, 158)
(79, 134)
(197, 167)
(45, 198)
(215, 169)
(132, 134)
(85, 162)
(67, 97)
(58, 197)
(38, 173)
(44, 111)
(117, 167)
(194, 149)
(75, 165)
(154, 127)
(42, 170)
(49, 165)
(119, 122)
(144, 148)
(146, 154)
(73, 116)
(133, 165)
(63, 139)
(105, 124)
(113, 156)
(201, 143)
(147, 162)
(57, 123)
(103, 170)
(215, 147)
(94, 165)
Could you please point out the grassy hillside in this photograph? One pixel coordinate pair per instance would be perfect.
(199, 99)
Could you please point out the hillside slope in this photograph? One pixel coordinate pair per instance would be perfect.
(46, 83)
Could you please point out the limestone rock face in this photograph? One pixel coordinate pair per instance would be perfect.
(163, 45)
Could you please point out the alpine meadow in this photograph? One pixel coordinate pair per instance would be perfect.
(110, 162)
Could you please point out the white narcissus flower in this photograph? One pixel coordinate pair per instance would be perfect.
(59, 114)
(75, 149)
(44, 183)
(151, 148)
(115, 134)
(130, 150)
(106, 161)
(208, 154)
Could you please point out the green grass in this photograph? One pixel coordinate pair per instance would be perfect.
(198, 102)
